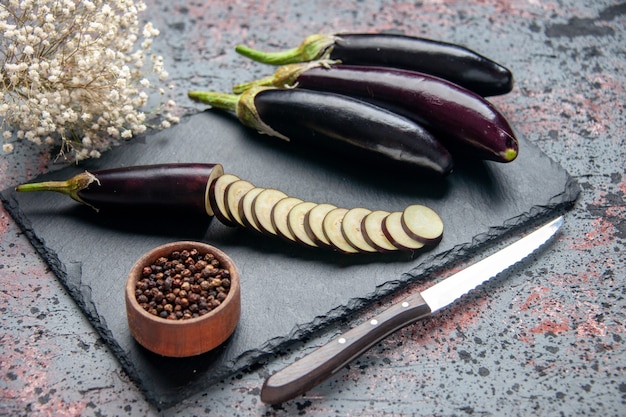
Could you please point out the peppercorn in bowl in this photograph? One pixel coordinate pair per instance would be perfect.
(183, 299)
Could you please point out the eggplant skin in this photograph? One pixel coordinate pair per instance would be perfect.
(452, 62)
(351, 127)
(463, 120)
(178, 187)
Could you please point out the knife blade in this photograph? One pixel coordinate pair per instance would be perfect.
(327, 360)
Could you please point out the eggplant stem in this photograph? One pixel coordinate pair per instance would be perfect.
(286, 76)
(240, 104)
(241, 87)
(313, 47)
(69, 187)
(214, 99)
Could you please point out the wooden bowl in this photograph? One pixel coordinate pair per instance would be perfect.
(183, 337)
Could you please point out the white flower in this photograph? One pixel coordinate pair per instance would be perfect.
(7, 147)
(77, 73)
(113, 131)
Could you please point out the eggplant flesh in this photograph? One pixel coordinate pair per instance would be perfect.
(347, 125)
(446, 60)
(464, 121)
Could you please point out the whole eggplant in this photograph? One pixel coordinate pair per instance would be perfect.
(453, 62)
(335, 122)
(463, 120)
(150, 188)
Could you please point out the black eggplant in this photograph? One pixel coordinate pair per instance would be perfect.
(461, 119)
(453, 62)
(342, 124)
(151, 188)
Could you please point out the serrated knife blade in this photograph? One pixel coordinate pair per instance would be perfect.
(319, 365)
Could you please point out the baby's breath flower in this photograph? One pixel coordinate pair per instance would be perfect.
(77, 74)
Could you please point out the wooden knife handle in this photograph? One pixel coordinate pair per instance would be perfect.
(314, 368)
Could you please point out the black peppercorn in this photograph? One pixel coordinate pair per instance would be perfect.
(183, 285)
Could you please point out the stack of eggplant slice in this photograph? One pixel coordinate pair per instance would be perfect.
(237, 202)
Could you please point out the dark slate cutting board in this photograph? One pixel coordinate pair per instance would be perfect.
(288, 292)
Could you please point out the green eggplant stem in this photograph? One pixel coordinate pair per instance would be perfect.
(221, 101)
(313, 47)
(241, 104)
(69, 187)
(286, 76)
(240, 88)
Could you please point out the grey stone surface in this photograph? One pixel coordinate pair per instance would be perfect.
(545, 339)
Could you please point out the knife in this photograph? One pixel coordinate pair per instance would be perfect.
(319, 365)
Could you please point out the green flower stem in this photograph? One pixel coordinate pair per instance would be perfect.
(312, 48)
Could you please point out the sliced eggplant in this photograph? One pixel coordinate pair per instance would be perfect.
(280, 217)
(262, 209)
(314, 223)
(245, 209)
(393, 230)
(352, 231)
(217, 198)
(234, 193)
(332, 229)
(295, 220)
(372, 229)
(422, 223)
